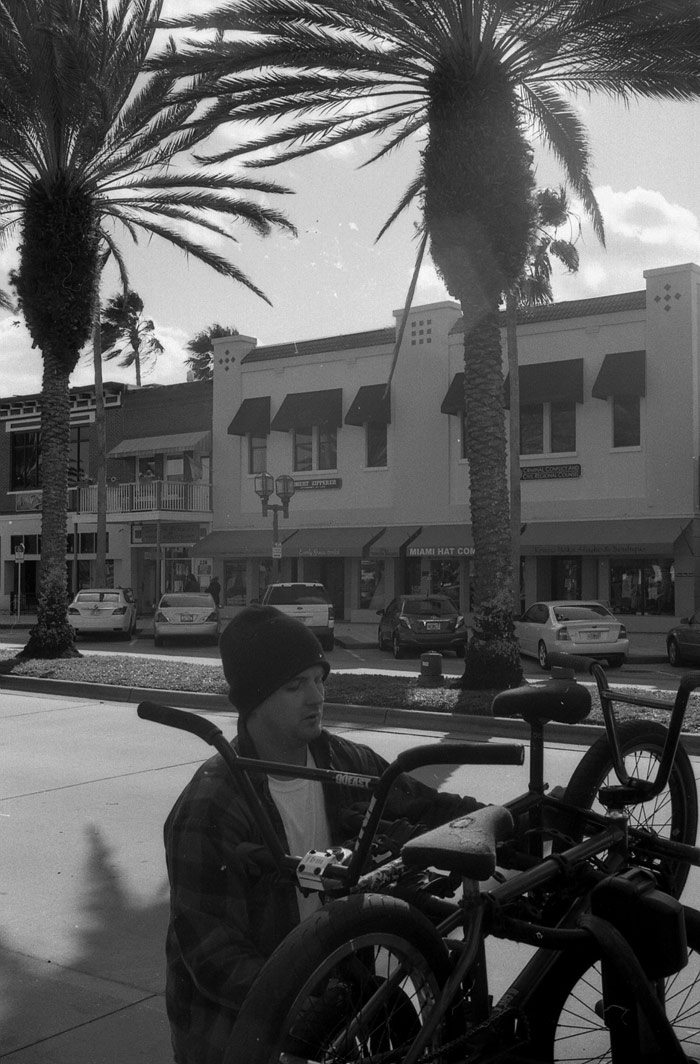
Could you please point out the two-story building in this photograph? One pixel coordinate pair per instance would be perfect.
(610, 436)
(158, 467)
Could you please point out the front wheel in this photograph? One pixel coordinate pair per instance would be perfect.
(542, 655)
(355, 981)
(673, 814)
(567, 1011)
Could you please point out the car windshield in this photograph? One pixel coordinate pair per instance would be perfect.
(582, 613)
(98, 596)
(186, 601)
(297, 595)
(429, 607)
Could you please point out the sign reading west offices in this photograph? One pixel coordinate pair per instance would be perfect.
(317, 483)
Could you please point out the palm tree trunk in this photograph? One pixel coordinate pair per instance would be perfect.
(514, 449)
(51, 636)
(101, 464)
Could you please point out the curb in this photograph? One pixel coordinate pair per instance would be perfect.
(479, 727)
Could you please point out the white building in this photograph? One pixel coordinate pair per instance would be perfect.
(610, 438)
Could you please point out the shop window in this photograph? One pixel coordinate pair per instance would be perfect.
(376, 442)
(25, 461)
(315, 447)
(444, 579)
(31, 544)
(412, 576)
(548, 428)
(257, 454)
(645, 585)
(626, 421)
(235, 584)
(372, 587)
(566, 578)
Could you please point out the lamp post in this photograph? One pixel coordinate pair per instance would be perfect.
(284, 487)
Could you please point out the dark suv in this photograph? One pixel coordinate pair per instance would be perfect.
(411, 623)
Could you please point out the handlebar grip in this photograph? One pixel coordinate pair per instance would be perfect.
(179, 718)
(461, 754)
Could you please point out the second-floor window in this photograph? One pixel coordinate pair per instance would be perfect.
(626, 415)
(257, 454)
(315, 447)
(548, 428)
(25, 458)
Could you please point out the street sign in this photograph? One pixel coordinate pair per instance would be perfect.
(276, 550)
(19, 553)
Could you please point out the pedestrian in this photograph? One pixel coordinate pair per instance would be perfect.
(214, 590)
(191, 583)
(229, 908)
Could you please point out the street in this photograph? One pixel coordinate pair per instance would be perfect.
(86, 788)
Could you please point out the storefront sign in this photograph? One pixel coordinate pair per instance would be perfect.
(440, 552)
(317, 483)
(599, 548)
(551, 472)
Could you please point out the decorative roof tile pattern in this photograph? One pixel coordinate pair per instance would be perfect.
(346, 342)
(574, 308)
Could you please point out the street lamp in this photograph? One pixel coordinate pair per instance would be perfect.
(284, 487)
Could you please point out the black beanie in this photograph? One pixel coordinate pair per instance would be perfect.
(262, 649)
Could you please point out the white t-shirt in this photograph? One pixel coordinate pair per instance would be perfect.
(301, 807)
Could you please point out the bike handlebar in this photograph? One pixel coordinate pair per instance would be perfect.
(179, 718)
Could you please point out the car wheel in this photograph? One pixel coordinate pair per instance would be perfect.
(328, 642)
(398, 650)
(542, 655)
(158, 640)
(461, 650)
(674, 653)
(380, 642)
(75, 633)
(615, 661)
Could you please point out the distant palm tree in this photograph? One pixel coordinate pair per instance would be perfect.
(534, 288)
(128, 335)
(475, 79)
(201, 350)
(88, 141)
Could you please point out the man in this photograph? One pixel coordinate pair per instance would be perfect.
(229, 907)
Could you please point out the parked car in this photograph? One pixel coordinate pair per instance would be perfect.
(308, 603)
(413, 623)
(683, 641)
(571, 627)
(103, 609)
(186, 615)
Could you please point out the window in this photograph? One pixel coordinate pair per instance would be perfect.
(25, 461)
(315, 447)
(376, 437)
(626, 421)
(79, 457)
(372, 593)
(548, 428)
(257, 454)
(175, 467)
(235, 583)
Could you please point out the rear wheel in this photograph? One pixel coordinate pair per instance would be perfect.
(158, 641)
(356, 981)
(461, 650)
(674, 653)
(673, 814)
(542, 655)
(399, 651)
(328, 641)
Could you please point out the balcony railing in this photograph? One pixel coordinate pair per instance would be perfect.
(144, 495)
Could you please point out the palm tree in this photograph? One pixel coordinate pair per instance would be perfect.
(475, 80)
(124, 324)
(88, 142)
(201, 350)
(534, 288)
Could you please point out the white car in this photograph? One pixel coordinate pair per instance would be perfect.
(308, 603)
(103, 609)
(571, 627)
(186, 614)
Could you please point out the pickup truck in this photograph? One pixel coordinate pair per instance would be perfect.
(309, 603)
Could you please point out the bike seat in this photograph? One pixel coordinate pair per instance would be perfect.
(562, 700)
(466, 845)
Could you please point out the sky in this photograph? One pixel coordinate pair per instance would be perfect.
(333, 278)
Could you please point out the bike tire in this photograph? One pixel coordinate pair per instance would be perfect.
(565, 1014)
(673, 814)
(325, 972)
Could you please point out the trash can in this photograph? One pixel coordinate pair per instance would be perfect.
(431, 664)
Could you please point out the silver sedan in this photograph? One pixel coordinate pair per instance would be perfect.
(186, 615)
(571, 627)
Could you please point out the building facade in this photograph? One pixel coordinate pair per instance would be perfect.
(610, 436)
(158, 467)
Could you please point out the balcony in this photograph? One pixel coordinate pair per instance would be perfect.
(144, 496)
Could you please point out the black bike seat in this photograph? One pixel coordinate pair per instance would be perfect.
(563, 700)
(466, 845)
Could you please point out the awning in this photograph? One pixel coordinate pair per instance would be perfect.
(640, 536)
(370, 404)
(252, 417)
(333, 542)
(549, 382)
(442, 541)
(622, 373)
(392, 540)
(238, 543)
(301, 409)
(177, 443)
(454, 401)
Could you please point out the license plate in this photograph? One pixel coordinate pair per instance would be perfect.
(184, 617)
(592, 635)
(432, 626)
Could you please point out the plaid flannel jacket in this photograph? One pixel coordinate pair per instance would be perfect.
(229, 909)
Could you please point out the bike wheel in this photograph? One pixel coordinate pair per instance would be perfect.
(566, 1018)
(357, 980)
(673, 814)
